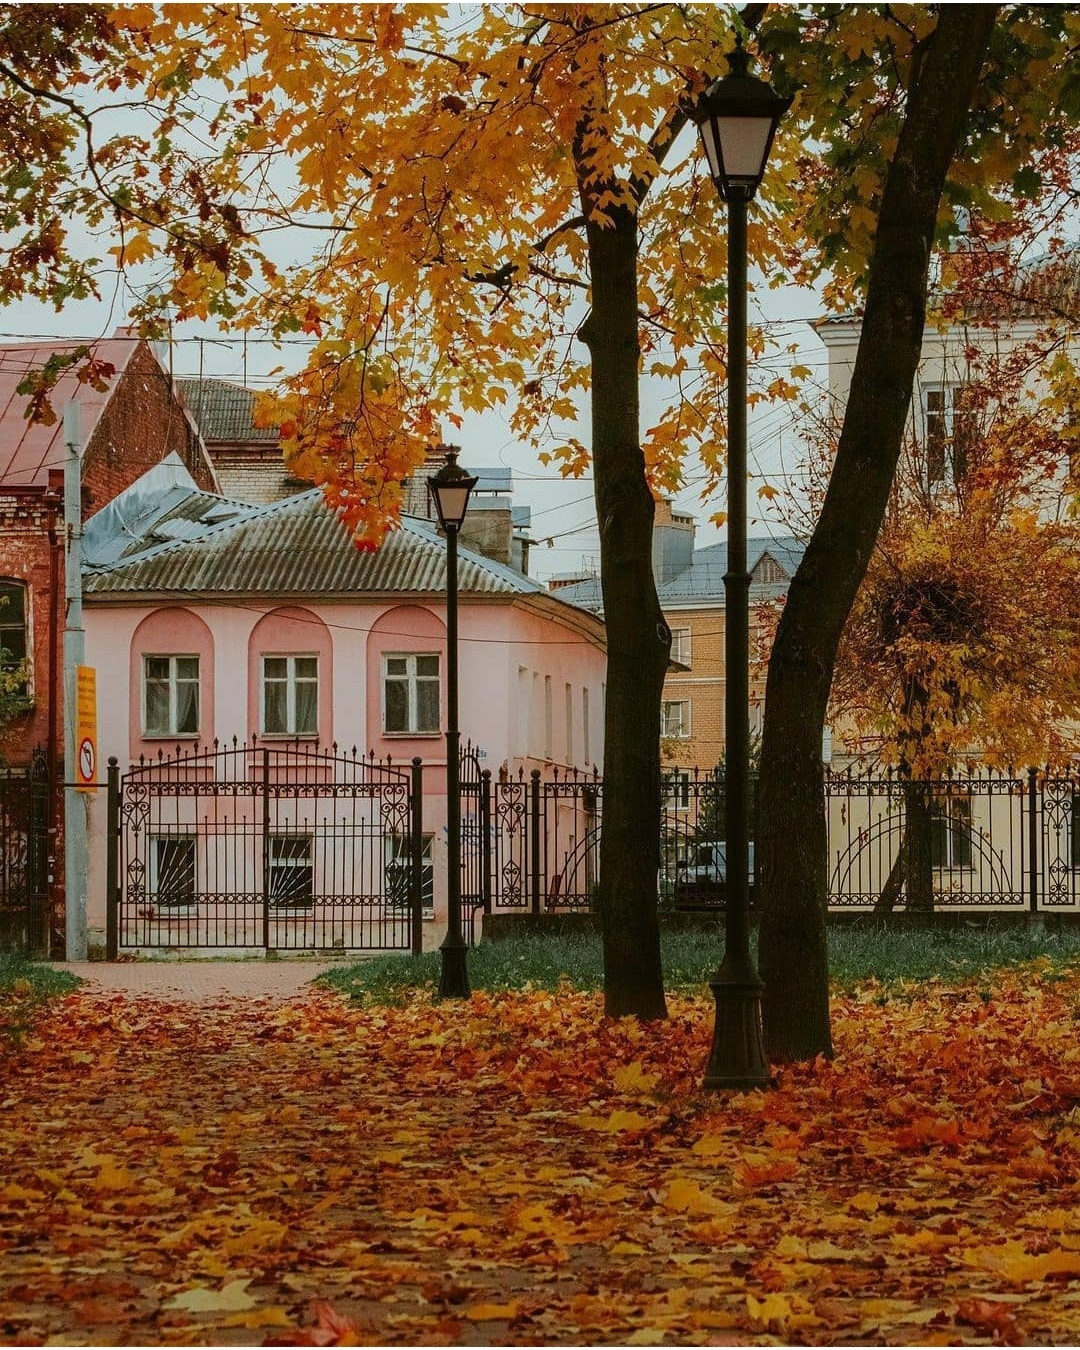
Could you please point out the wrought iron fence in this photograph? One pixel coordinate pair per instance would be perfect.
(985, 841)
(24, 857)
(280, 846)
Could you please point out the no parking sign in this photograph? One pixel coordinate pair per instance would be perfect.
(86, 756)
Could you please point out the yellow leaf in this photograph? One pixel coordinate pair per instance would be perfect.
(1014, 1263)
(687, 1197)
(259, 1317)
(493, 1312)
(232, 1297)
(633, 1078)
(709, 1145)
(113, 1178)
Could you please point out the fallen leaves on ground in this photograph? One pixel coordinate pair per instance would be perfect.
(518, 1170)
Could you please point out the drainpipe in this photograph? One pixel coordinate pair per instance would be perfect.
(75, 802)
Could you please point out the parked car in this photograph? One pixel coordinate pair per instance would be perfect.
(701, 879)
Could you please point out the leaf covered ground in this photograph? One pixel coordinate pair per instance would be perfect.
(517, 1170)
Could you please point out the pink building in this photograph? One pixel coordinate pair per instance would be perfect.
(212, 621)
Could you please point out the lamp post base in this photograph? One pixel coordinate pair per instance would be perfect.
(454, 972)
(737, 1059)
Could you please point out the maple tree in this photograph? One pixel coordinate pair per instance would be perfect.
(482, 186)
(518, 1170)
(935, 110)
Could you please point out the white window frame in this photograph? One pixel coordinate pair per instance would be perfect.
(677, 783)
(948, 391)
(171, 732)
(681, 645)
(952, 827)
(684, 733)
(291, 680)
(16, 585)
(412, 680)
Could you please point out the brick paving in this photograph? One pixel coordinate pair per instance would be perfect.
(199, 981)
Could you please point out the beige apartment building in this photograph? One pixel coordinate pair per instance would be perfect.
(690, 585)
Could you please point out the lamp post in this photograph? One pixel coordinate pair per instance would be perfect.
(450, 489)
(737, 117)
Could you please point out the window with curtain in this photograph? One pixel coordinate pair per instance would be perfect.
(170, 695)
(410, 693)
(290, 695)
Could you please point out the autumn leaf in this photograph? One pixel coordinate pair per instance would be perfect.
(231, 1297)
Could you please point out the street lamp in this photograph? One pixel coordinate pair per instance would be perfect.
(737, 117)
(450, 489)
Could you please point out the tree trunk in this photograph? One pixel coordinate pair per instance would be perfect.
(894, 882)
(918, 871)
(638, 639)
(793, 881)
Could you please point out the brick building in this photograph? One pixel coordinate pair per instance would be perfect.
(126, 427)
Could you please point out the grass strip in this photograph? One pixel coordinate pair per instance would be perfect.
(894, 958)
(24, 987)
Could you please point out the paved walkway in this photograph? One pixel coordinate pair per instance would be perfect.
(200, 980)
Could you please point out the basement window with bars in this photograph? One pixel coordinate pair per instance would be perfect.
(172, 877)
(292, 872)
(398, 862)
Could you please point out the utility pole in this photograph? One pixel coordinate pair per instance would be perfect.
(75, 802)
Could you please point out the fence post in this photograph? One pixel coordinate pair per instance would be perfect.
(112, 862)
(485, 835)
(1034, 816)
(266, 848)
(416, 871)
(534, 822)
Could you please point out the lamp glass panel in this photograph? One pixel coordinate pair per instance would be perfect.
(744, 142)
(452, 503)
(712, 150)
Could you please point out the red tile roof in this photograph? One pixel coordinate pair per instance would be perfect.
(29, 450)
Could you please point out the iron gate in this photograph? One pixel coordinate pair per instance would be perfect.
(25, 800)
(265, 845)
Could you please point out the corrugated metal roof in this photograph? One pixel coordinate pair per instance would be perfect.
(296, 547)
(703, 580)
(223, 411)
(28, 450)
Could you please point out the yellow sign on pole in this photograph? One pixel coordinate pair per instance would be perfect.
(86, 752)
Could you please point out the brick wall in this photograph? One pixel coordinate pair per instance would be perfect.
(25, 519)
(703, 686)
(143, 422)
(256, 475)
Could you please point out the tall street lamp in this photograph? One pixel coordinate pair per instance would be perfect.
(450, 489)
(737, 117)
